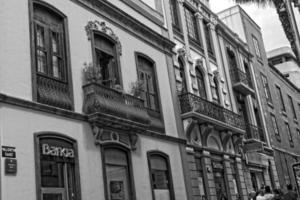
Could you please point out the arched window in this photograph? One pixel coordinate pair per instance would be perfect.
(118, 176)
(146, 74)
(51, 64)
(57, 169)
(183, 88)
(105, 58)
(231, 59)
(200, 83)
(160, 175)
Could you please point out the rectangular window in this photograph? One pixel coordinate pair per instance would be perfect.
(292, 107)
(52, 82)
(174, 14)
(266, 88)
(288, 130)
(256, 46)
(191, 24)
(274, 124)
(279, 94)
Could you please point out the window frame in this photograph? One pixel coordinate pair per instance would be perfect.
(132, 192)
(195, 26)
(66, 45)
(266, 88)
(273, 119)
(182, 75)
(156, 85)
(117, 55)
(292, 107)
(203, 91)
(60, 137)
(281, 100)
(174, 11)
(290, 136)
(170, 178)
(256, 47)
(208, 38)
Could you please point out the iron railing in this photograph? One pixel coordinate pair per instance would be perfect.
(238, 75)
(254, 132)
(192, 103)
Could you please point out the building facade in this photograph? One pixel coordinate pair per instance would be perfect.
(278, 98)
(228, 152)
(86, 105)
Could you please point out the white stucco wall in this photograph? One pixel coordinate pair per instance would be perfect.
(18, 127)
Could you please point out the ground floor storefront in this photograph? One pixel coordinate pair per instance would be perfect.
(64, 158)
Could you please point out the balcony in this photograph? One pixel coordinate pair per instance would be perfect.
(241, 82)
(205, 111)
(254, 139)
(115, 109)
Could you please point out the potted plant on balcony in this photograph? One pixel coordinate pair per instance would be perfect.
(136, 88)
(92, 74)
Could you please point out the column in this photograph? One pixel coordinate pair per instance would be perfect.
(241, 179)
(229, 178)
(186, 47)
(201, 32)
(208, 176)
(212, 26)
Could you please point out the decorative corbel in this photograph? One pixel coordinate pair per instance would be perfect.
(225, 139)
(213, 22)
(133, 138)
(97, 132)
(205, 130)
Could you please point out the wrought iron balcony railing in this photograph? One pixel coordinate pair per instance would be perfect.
(254, 132)
(238, 76)
(110, 102)
(192, 103)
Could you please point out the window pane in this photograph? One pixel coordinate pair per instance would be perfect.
(41, 61)
(52, 174)
(160, 180)
(191, 23)
(40, 36)
(280, 98)
(115, 157)
(55, 42)
(56, 67)
(52, 197)
(274, 125)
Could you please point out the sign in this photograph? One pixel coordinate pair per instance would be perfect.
(50, 150)
(10, 166)
(8, 152)
(253, 146)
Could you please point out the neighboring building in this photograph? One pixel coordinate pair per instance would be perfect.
(221, 114)
(77, 134)
(277, 96)
(285, 61)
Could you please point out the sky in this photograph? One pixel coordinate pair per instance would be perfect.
(266, 18)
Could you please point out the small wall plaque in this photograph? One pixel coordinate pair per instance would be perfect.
(8, 152)
(10, 166)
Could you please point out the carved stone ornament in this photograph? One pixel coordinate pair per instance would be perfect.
(181, 51)
(101, 26)
(103, 136)
(213, 22)
(217, 75)
(181, 2)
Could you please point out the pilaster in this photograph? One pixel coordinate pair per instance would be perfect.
(208, 176)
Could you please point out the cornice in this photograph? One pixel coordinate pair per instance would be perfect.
(119, 18)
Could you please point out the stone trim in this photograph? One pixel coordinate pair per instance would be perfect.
(6, 99)
(129, 24)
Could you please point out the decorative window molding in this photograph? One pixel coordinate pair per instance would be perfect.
(101, 26)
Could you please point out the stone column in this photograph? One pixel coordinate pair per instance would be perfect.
(201, 32)
(212, 26)
(187, 54)
(241, 179)
(208, 175)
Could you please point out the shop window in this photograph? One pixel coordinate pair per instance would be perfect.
(191, 24)
(52, 85)
(200, 83)
(183, 87)
(279, 94)
(160, 176)
(118, 175)
(57, 168)
(292, 107)
(106, 59)
(146, 74)
(266, 88)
